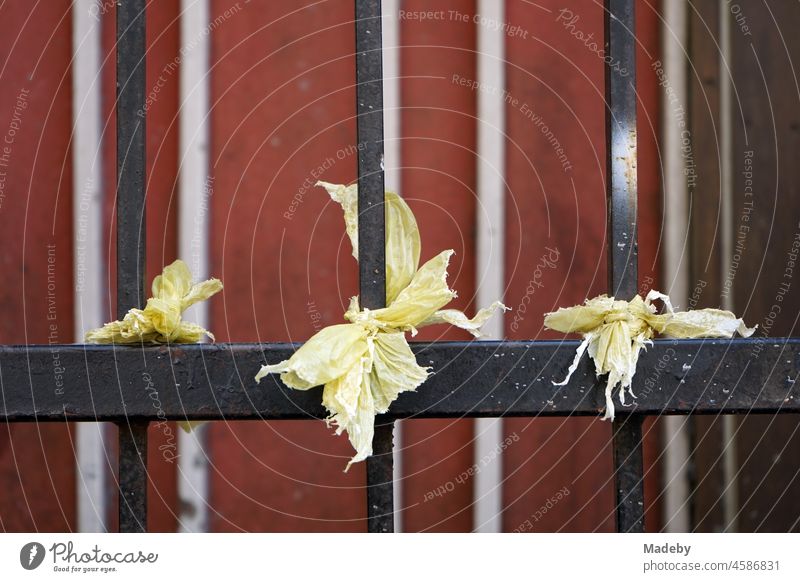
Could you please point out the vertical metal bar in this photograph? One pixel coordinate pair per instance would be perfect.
(620, 76)
(372, 234)
(131, 48)
(380, 474)
(629, 473)
(621, 146)
(133, 477)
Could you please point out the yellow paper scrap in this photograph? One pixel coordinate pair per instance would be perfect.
(614, 332)
(161, 320)
(364, 365)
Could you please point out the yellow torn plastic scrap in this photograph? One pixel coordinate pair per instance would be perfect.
(161, 320)
(364, 365)
(614, 332)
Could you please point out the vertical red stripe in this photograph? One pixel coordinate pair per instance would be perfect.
(648, 24)
(438, 180)
(556, 252)
(283, 116)
(163, 69)
(556, 233)
(36, 461)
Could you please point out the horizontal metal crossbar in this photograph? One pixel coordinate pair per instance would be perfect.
(474, 379)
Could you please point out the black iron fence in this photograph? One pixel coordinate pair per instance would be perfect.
(473, 379)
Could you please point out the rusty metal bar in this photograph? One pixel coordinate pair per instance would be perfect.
(372, 234)
(477, 379)
(621, 185)
(131, 49)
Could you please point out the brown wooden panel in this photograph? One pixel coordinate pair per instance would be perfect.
(37, 473)
(764, 225)
(766, 229)
(705, 232)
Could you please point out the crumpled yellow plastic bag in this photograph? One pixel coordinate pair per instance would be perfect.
(161, 320)
(614, 332)
(365, 364)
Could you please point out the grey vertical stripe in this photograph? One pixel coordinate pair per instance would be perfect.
(487, 510)
(194, 199)
(392, 173)
(92, 465)
(675, 106)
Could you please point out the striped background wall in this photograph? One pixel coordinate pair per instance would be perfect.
(280, 114)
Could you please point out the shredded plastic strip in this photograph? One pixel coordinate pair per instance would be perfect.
(615, 332)
(161, 320)
(366, 364)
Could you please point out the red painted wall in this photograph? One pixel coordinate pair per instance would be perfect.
(438, 179)
(283, 105)
(556, 240)
(282, 116)
(37, 477)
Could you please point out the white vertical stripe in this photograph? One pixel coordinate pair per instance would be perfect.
(487, 510)
(88, 244)
(195, 190)
(392, 169)
(674, 111)
(730, 496)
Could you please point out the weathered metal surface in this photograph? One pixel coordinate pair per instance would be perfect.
(380, 492)
(369, 107)
(621, 170)
(371, 231)
(131, 165)
(621, 175)
(478, 379)
(629, 473)
(622, 224)
(130, 155)
(132, 476)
